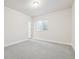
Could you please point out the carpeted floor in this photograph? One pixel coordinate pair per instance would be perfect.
(33, 49)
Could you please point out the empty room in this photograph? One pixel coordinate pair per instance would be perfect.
(39, 29)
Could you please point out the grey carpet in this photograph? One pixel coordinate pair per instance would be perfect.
(33, 49)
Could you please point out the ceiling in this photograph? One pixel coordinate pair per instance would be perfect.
(45, 6)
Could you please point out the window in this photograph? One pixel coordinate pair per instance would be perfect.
(41, 25)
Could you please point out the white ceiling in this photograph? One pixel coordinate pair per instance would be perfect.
(46, 6)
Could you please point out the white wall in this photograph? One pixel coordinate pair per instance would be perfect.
(73, 25)
(16, 26)
(59, 27)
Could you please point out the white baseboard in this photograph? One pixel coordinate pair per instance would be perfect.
(13, 43)
(60, 43)
(54, 42)
(39, 39)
